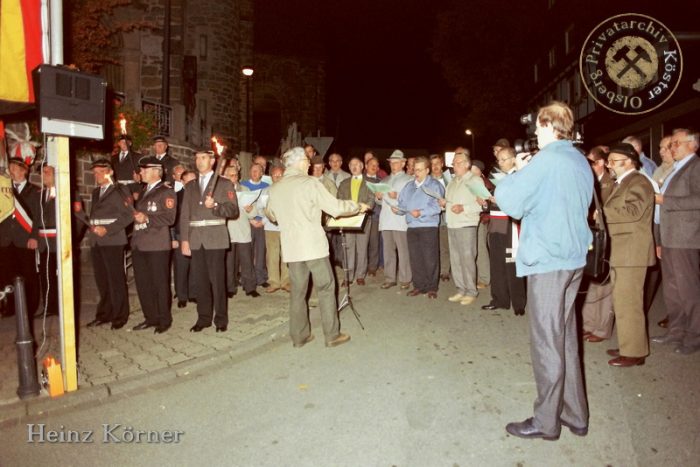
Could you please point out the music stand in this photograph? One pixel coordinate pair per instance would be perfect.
(354, 223)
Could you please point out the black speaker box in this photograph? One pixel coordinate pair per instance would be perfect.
(69, 102)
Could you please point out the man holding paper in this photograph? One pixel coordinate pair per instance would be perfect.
(462, 215)
(419, 200)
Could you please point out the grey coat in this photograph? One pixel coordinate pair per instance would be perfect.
(680, 213)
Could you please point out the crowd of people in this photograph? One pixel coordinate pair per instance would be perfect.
(523, 229)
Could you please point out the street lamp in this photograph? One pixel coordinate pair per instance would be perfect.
(247, 72)
(469, 132)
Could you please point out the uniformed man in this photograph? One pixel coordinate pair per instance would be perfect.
(48, 268)
(160, 148)
(126, 165)
(110, 214)
(19, 234)
(150, 246)
(208, 201)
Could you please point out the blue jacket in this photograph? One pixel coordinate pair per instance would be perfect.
(551, 195)
(412, 198)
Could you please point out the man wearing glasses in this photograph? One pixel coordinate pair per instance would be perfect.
(679, 219)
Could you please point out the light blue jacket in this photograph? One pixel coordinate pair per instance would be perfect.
(412, 198)
(551, 195)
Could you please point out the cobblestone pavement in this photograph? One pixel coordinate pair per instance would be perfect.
(106, 356)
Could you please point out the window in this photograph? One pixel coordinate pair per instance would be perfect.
(568, 39)
(552, 58)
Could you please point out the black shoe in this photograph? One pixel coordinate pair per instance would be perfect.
(221, 328)
(96, 322)
(253, 294)
(519, 311)
(575, 430)
(181, 303)
(231, 294)
(265, 284)
(526, 429)
(116, 326)
(161, 329)
(197, 328)
(142, 326)
(490, 307)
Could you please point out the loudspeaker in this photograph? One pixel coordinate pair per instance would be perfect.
(70, 103)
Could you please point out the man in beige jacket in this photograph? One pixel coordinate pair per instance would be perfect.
(295, 204)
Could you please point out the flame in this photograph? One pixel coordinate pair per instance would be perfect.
(218, 147)
(122, 123)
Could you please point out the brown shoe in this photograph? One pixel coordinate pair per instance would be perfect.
(444, 277)
(339, 340)
(305, 341)
(593, 338)
(613, 352)
(360, 281)
(345, 283)
(432, 295)
(481, 285)
(405, 285)
(372, 273)
(272, 289)
(387, 285)
(663, 323)
(414, 292)
(626, 361)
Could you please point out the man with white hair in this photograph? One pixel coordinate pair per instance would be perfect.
(295, 204)
(679, 222)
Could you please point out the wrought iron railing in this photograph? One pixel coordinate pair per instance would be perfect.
(162, 113)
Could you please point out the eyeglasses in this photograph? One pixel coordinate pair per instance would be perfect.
(617, 160)
(678, 143)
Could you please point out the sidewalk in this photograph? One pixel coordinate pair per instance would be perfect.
(108, 359)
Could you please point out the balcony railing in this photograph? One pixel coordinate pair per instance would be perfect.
(162, 113)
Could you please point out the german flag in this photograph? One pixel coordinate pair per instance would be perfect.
(20, 52)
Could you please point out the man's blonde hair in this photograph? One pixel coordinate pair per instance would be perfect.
(561, 118)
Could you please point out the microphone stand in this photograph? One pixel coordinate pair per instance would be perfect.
(347, 299)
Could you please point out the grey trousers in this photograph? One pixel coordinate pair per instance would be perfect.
(681, 285)
(396, 247)
(444, 251)
(597, 311)
(463, 259)
(483, 267)
(357, 244)
(554, 351)
(324, 282)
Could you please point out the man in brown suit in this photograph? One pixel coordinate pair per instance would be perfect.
(629, 212)
(208, 201)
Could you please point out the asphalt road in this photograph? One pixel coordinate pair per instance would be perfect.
(428, 383)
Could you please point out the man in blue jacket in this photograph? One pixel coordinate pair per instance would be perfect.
(419, 201)
(551, 193)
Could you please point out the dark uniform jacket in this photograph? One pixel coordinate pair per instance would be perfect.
(47, 223)
(124, 170)
(112, 211)
(213, 235)
(160, 205)
(169, 163)
(11, 231)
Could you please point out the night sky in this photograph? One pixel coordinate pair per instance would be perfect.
(384, 89)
